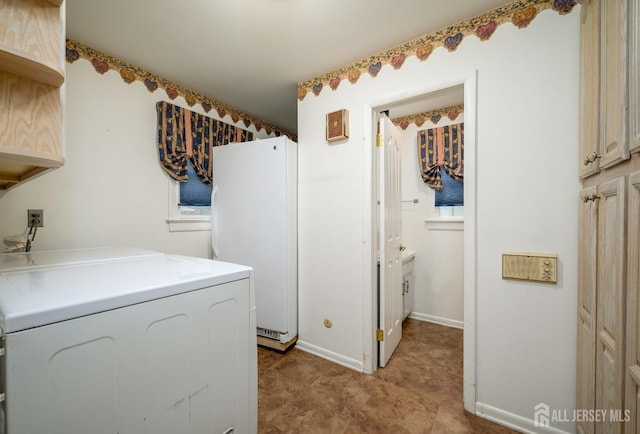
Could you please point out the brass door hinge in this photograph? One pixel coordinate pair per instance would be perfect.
(380, 141)
(380, 335)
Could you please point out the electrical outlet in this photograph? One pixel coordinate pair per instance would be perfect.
(37, 216)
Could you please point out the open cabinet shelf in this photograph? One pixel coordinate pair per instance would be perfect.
(29, 66)
(13, 170)
(31, 80)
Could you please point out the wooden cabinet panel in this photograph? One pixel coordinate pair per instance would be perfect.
(614, 147)
(589, 88)
(632, 403)
(610, 302)
(30, 118)
(634, 76)
(32, 26)
(587, 283)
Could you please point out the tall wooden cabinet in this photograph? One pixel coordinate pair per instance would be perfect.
(31, 76)
(632, 383)
(608, 371)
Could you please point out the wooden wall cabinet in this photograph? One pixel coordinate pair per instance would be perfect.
(603, 88)
(31, 75)
(614, 147)
(608, 368)
(589, 88)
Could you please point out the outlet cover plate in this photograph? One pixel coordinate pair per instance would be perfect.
(35, 213)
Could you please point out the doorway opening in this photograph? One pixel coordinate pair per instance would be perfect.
(410, 100)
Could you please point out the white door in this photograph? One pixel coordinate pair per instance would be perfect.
(390, 225)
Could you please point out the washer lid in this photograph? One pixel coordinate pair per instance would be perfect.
(48, 258)
(36, 297)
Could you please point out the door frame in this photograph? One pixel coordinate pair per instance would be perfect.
(370, 304)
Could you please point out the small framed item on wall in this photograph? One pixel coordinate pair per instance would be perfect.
(337, 125)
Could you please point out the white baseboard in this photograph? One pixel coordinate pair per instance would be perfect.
(513, 421)
(330, 355)
(437, 320)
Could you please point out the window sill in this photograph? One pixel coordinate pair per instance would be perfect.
(189, 224)
(445, 224)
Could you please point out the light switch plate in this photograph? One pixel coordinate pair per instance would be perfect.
(535, 267)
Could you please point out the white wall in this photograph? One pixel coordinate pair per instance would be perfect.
(526, 189)
(438, 287)
(111, 190)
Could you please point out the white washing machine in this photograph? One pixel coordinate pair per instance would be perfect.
(126, 341)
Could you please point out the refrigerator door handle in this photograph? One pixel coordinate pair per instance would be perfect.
(214, 246)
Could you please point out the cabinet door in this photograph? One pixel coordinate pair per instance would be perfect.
(634, 75)
(587, 282)
(614, 147)
(589, 88)
(633, 306)
(610, 303)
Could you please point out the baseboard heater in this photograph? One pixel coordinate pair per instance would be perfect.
(283, 338)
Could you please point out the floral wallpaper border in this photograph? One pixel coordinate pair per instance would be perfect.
(519, 12)
(103, 62)
(434, 116)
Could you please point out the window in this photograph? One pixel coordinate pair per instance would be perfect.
(450, 200)
(451, 211)
(441, 160)
(195, 195)
(452, 192)
(189, 204)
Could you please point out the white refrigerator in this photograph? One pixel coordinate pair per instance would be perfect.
(254, 223)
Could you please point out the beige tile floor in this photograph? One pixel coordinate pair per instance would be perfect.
(420, 390)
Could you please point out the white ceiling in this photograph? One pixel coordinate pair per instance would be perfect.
(250, 54)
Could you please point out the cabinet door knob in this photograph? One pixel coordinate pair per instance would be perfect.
(588, 160)
(591, 197)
